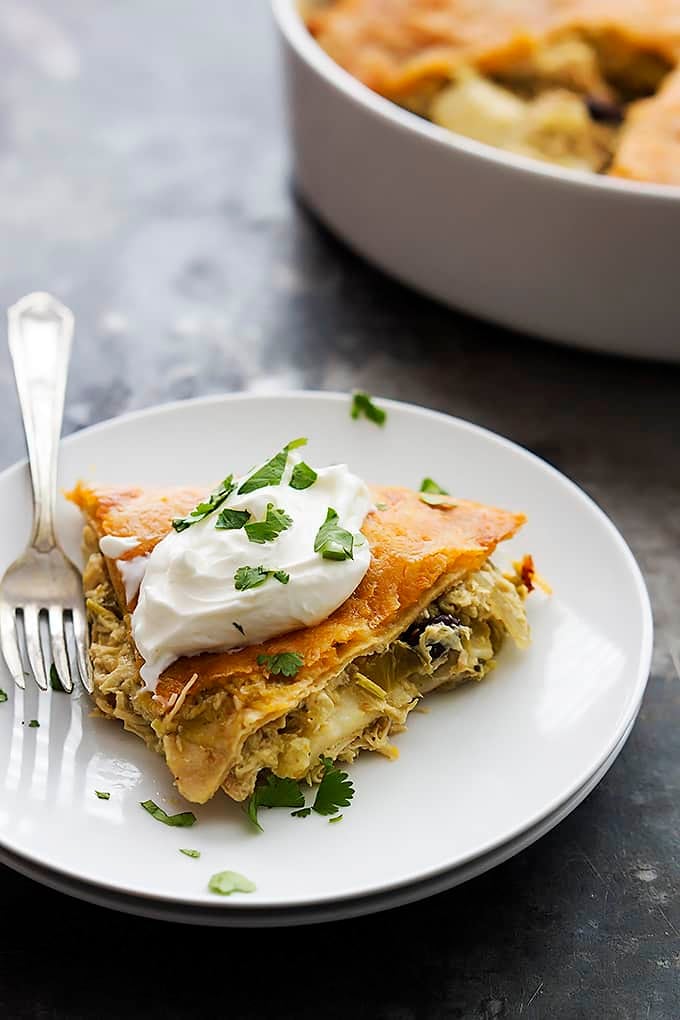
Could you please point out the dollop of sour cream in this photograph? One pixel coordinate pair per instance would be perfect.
(188, 602)
(132, 570)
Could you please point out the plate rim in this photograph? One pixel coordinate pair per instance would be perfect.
(625, 726)
(343, 908)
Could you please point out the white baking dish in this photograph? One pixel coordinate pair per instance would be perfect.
(564, 255)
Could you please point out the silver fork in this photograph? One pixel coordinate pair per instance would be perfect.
(41, 595)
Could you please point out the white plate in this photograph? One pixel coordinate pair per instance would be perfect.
(580, 258)
(486, 770)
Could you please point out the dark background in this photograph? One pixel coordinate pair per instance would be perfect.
(144, 180)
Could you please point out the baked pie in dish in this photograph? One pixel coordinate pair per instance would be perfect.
(384, 615)
(589, 85)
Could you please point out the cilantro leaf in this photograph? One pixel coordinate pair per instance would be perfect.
(287, 663)
(440, 499)
(302, 813)
(363, 404)
(270, 473)
(231, 520)
(381, 506)
(103, 794)
(429, 485)
(335, 818)
(34, 724)
(3, 696)
(200, 512)
(239, 628)
(335, 790)
(183, 820)
(190, 853)
(249, 577)
(295, 444)
(275, 792)
(275, 521)
(303, 476)
(253, 577)
(332, 541)
(55, 682)
(224, 883)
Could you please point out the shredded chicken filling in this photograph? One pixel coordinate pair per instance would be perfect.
(565, 103)
(455, 639)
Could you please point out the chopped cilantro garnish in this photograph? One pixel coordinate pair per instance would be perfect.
(434, 495)
(3, 696)
(275, 792)
(34, 724)
(227, 882)
(336, 818)
(332, 541)
(439, 499)
(190, 853)
(204, 509)
(183, 820)
(302, 813)
(249, 577)
(231, 520)
(303, 476)
(287, 663)
(103, 794)
(335, 790)
(253, 577)
(239, 628)
(429, 485)
(275, 521)
(270, 473)
(381, 506)
(363, 404)
(55, 682)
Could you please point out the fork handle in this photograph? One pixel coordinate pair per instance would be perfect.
(40, 335)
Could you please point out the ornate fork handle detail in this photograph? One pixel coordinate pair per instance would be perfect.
(40, 336)
(41, 595)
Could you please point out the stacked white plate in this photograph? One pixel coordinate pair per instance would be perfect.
(486, 772)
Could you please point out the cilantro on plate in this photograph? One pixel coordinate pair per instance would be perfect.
(55, 682)
(335, 790)
(274, 792)
(224, 883)
(182, 820)
(362, 404)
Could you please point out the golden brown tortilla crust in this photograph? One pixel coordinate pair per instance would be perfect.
(413, 546)
(399, 47)
(649, 149)
(134, 512)
(417, 552)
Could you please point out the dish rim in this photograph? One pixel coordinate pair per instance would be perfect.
(296, 34)
(626, 722)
